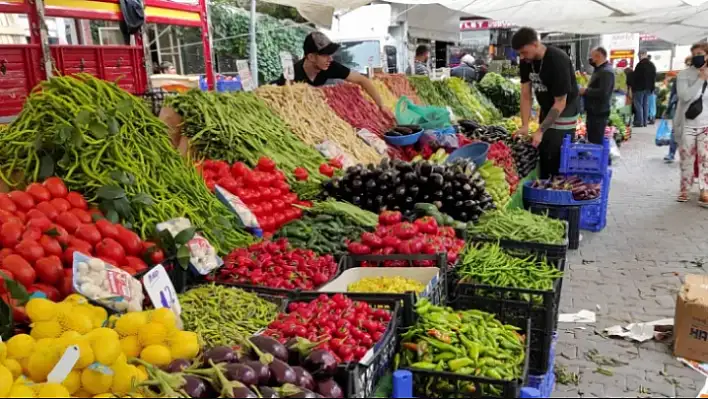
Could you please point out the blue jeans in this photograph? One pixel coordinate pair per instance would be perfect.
(641, 107)
(652, 107)
(673, 146)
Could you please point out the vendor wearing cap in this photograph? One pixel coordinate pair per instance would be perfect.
(317, 67)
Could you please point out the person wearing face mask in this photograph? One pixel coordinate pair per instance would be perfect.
(598, 95)
(548, 72)
(691, 124)
(318, 67)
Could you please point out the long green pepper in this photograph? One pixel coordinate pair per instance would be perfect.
(519, 225)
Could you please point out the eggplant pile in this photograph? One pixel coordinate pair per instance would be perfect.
(488, 134)
(457, 189)
(525, 156)
(267, 369)
(403, 130)
(581, 191)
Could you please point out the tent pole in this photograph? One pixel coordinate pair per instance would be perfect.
(253, 49)
(206, 44)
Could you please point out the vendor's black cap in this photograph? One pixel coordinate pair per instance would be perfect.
(317, 42)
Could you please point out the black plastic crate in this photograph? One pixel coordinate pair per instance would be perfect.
(552, 252)
(457, 382)
(356, 379)
(568, 213)
(515, 306)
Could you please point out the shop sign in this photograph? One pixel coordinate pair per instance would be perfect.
(484, 24)
(623, 40)
(622, 58)
(648, 38)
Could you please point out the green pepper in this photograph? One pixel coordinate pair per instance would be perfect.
(445, 356)
(472, 347)
(441, 345)
(493, 373)
(423, 365)
(457, 364)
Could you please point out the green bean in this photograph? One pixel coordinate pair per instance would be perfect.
(519, 225)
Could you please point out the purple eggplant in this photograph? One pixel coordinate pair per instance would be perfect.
(261, 370)
(303, 378)
(320, 363)
(293, 391)
(178, 365)
(270, 345)
(219, 354)
(299, 348)
(268, 392)
(241, 373)
(329, 389)
(243, 392)
(281, 373)
(195, 387)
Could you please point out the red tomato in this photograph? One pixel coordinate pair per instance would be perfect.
(60, 204)
(48, 209)
(110, 248)
(59, 233)
(69, 221)
(30, 250)
(51, 292)
(56, 187)
(68, 255)
(107, 229)
(21, 215)
(34, 213)
(130, 241)
(49, 269)
(6, 204)
(20, 269)
(51, 246)
(239, 169)
(4, 253)
(83, 215)
(38, 192)
(266, 164)
(42, 224)
(10, 234)
(157, 257)
(129, 270)
(66, 286)
(110, 261)
(77, 200)
(136, 264)
(81, 245)
(23, 200)
(32, 233)
(89, 233)
(6, 216)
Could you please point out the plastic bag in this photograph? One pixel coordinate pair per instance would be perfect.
(407, 113)
(663, 133)
(614, 150)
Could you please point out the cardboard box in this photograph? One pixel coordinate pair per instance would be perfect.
(691, 319)
(428, 276)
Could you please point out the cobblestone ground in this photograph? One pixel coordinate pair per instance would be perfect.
(631, 272)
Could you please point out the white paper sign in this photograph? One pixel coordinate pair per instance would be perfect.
(286, 61)
(160, 289)
(64, 366)
(244, 72)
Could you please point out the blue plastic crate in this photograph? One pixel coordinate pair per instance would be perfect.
(222, 85)
(584, 158)
(546, 383)
(594, 217)
(558, 197)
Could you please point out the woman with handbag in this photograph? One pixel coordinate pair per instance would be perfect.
(691, 122)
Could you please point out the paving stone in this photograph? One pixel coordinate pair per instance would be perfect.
(633, 270)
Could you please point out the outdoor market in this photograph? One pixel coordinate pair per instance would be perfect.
(396, 234)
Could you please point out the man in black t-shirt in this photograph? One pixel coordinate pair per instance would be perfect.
(317, 67)
(548, 72)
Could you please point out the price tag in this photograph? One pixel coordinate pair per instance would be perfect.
(286, 60)
(244, 72)
(160, 290)
(64, 366)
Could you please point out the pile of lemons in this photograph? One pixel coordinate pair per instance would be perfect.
(105, 346)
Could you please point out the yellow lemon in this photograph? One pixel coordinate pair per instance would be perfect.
(40, 309)
(101, 334)
(46, 329)
(124, 378)
(14, 367)
(21, 391)
(75, 299)
(142, 373)
(107, 350)
(20, 346)
(122, 359)
(82, 393)
(3, 352)
(23, 362)
(152, 334)
(86, 356)
(95, 382)
(67, 339)
(6, 381)
(184, 345)
(99, 316)
(53, 390)
(129, 323)
(41, 363)
(72, 382)
(130, 346)
(158, 355)
(164, 316)
(76, 319)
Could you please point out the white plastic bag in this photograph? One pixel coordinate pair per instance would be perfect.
(614, 150)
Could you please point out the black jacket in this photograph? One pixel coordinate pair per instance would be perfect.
(598, 96)
(644, 76)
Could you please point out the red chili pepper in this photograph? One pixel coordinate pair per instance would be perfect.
(326, 170)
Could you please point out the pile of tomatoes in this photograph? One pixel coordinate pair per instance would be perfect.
(276, 264)
(42, 227)
(263, 189)
(396, 236)
(347, 328)
(500, 154)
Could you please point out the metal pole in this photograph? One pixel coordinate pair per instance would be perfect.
(206, 43)
(254, 49)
